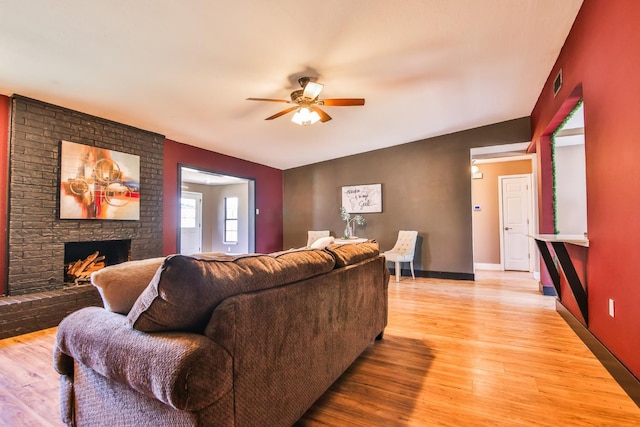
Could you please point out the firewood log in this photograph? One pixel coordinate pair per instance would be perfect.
(86, 262)
(73, 266)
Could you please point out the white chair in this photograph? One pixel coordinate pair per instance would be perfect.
(314, 235)
(403, 251)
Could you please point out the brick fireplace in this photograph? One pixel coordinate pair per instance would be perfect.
(37, 296)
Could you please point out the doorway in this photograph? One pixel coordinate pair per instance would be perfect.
(190, 223)
(488, 165)
(213, 189)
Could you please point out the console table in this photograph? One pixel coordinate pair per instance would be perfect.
(350, 241)
(558, 243)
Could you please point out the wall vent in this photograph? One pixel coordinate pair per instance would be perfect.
(557, 83)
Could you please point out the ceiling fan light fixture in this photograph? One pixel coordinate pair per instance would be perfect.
(303, 116)
(306, 104)
(312, 90)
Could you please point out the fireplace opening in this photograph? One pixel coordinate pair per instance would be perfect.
(83, 258)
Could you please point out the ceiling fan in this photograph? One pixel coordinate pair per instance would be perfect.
(307, 105)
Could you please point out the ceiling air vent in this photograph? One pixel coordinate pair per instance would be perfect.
(557, 83)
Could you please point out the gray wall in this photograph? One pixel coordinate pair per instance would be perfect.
(426, 186)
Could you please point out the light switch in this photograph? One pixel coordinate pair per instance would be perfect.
(612, 311)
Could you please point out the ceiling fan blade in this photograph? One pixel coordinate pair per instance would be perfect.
(268, 99)
(312, 90)
(324, 117)
(282, 113)
(342, 102)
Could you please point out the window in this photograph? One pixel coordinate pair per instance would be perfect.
(231, 220)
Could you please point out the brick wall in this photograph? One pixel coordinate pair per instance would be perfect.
(36, 235)
(36, 296)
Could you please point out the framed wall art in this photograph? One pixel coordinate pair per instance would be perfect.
(362, 198)
(96, 183)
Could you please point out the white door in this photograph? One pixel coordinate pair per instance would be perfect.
(190, 223)
(515, 201)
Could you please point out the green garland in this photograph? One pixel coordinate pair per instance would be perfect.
(553, 162)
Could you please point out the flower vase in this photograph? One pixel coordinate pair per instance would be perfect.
(348, 232)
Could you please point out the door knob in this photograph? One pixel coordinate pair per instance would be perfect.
(507, 228)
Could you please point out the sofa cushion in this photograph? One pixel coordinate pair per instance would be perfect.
(353, 253)
(186, 289)
(120, 285)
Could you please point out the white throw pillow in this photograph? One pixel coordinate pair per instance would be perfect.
(120, 285)
(322, 242)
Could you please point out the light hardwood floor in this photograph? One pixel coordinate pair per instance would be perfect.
(493, 352)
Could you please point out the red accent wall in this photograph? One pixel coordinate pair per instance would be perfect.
(268, 192)
(4, 188)
(601, 55)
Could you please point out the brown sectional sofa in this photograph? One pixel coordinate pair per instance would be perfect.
(213, 340)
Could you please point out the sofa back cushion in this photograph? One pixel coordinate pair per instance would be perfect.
(186, 289)
(353, 253)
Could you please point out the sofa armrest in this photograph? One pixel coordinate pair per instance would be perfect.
(184, 370)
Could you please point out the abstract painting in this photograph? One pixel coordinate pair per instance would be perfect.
(96, 183)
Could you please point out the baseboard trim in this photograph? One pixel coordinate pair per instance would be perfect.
(547, 290)
(629, 383)
(447, 275)
(485, 266)
(435, 274)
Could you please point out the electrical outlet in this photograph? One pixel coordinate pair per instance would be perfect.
(612, 311)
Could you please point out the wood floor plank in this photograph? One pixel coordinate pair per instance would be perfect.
(28, 383)
(497, 350)
(493, 352)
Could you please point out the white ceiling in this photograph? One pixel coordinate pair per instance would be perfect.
(184, 68)
(195, 176)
